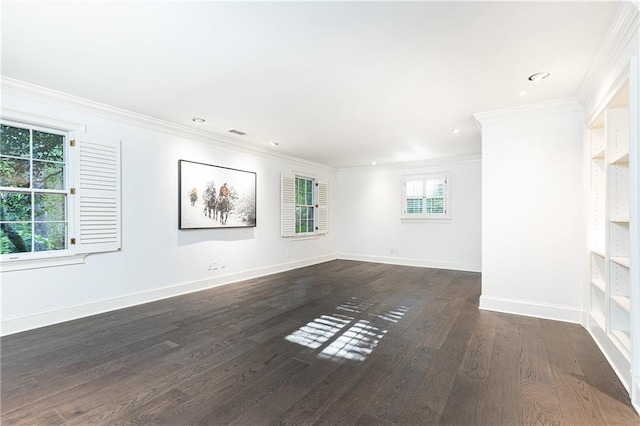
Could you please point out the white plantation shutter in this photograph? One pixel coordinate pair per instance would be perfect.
(414, 192)
(425, 197)
(97, 197)
(322, 227)
(288, 208)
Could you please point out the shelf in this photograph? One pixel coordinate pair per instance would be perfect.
(598, 155)
(624, 159)
(623, 261)
(619, 219)
(598, 253)
(623, 302)
(599, 284)
(622, 337)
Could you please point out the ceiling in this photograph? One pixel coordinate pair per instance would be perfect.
(342, 84)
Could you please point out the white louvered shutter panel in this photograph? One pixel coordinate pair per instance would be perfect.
(323, 208)
(98, 205)
(288, 208)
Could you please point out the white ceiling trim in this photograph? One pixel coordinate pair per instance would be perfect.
(528, 112)
(610, 67)
(421, 164)
(10, 86)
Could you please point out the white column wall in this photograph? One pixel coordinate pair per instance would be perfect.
(533, 210)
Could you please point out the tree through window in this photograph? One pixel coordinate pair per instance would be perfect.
(33, 192)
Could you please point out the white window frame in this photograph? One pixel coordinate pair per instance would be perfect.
(423, 216)
(77, 250)
(288, 206)
(313, 205)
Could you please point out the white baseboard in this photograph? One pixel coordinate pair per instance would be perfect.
(532, 309)
(469, 267)
(68, 313)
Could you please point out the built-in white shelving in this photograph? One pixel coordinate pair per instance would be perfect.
(617, 143)
(609, 223)
(611, 302)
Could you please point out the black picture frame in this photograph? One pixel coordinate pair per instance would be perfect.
(214, 197)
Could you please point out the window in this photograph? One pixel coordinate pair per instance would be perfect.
(304, 206)
(59, 195)
(425, 197)
(33, 198)
(305, 217)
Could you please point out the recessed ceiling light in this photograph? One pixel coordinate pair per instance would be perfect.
(373, 163)
(197, 120)
(455, 131)
(273, 143)
(237, 132)
(522, 93)
(538, 76)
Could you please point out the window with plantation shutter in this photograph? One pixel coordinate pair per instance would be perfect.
(59, 193)
(425, 197)
(305, 209)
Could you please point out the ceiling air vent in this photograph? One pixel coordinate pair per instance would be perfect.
(237, 132)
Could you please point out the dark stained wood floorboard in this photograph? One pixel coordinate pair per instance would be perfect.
(341, 342)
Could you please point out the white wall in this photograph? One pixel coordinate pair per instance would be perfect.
(369, 225)
(533, 210)
(158, 260)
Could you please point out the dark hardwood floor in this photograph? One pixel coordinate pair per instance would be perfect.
(337, 343)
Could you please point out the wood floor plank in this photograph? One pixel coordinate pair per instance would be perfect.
(540, 405)
(534, 361)
(390, 401)
(152, 411)
(577, 401)
(477, 358)
(231, 409)
(213, 378)
(270, 409)
(430, 399)
(308, 409)
(342, 342)
(70, 393)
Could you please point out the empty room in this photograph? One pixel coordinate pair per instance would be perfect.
(372, 213)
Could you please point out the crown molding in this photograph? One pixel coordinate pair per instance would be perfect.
(528, 112)
(610, 67)
(432, 162)
(13, 87)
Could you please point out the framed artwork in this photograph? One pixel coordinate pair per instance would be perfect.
(215, 197)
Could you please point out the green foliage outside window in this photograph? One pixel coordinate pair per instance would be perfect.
(304, 205)
(33, 203)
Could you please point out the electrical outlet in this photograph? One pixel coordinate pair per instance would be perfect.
(210, 267)
(223, 264)
(215, 265)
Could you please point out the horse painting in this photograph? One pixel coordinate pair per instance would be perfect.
(210, 201)
(223, 207)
